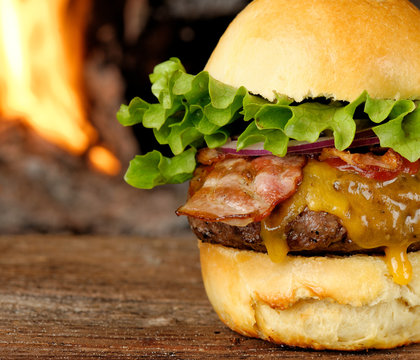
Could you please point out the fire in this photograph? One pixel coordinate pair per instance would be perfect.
(103, 160)
(40, 70)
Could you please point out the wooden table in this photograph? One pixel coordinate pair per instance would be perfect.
(74, 297)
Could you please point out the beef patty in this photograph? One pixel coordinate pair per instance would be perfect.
(310, 233)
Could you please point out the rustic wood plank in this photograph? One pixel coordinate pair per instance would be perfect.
(72, 297)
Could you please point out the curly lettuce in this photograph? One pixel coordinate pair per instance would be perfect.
(193, 111)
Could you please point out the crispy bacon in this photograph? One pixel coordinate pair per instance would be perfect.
(240, 190)
(208, 156)
(390, 161)
(379, 167)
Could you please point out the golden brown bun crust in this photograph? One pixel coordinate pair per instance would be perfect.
(342, 303)
(311, 48)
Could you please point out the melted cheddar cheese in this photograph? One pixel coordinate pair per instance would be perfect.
(374, 213)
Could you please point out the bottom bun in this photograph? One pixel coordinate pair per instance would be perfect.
(341, 303)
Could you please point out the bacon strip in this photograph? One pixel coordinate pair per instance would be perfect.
(208, 156)
(390, 161)
(241, 190)
(380, 167)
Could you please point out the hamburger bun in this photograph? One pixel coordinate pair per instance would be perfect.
(309, 49)
(340, 303)
(322, 48)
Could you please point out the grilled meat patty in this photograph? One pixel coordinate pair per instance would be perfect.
(310, 233)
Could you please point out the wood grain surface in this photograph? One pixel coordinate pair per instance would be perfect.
(73, 297)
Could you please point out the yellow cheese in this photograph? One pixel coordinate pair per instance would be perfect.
(375, 213)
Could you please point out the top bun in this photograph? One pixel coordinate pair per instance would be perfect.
(312, 48)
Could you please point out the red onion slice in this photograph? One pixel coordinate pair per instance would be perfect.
(362, 138)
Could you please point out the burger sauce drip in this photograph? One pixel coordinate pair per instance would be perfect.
(375, 213)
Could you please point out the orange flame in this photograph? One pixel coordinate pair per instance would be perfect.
(103, 160)
(40, 70)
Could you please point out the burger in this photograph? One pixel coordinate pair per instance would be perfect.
(301, 141)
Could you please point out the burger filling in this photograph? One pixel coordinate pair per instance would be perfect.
(337, 202)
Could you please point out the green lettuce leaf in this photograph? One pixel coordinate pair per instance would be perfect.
(133, 113)
(163, 80)
(217, 139)
(269, 130)
(402, 133)
(153, 169)
(198, 110)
